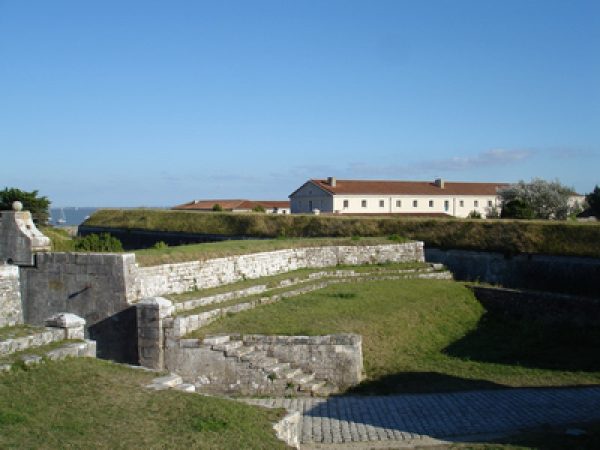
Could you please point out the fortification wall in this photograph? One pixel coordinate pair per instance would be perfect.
(183, 277)
(564, 274)
(91, 285)
(11, 311)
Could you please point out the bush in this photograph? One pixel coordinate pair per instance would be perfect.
(217, 207)
(259, 209)
(160, 245)
(517, 209)
(474, 215)
(103, 242)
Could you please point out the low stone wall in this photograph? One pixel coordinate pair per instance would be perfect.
(91, 285)
(336, 358)
(541, 306)
(184, 277)
(11, 311)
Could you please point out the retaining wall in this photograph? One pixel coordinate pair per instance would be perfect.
(564, 274)
(546, 307)
(91, 285)
(11, 311)
(183, 277)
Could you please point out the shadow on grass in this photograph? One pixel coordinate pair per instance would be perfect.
(530, 343)
(420, 383)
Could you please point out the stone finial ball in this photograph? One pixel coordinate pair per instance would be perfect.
(17, 206)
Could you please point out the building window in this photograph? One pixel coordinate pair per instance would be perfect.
(431, 203)
(398, 203)
(345, 203)
(461, 203)
(363, 203)
(415, 203)
(446, 205)
(381, 203)
(490, 203)
(310, 208)
(476, 203)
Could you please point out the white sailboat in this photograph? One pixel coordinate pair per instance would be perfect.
(62, 220)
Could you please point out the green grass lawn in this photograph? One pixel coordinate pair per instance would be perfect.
(85, 403)
(427, 336)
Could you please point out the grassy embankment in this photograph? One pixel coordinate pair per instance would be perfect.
(423, 335)
(87, 403)
(508, 236)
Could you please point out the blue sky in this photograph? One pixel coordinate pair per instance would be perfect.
(155, 103)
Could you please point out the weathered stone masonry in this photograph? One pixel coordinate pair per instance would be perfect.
(183, 277)
(11, 312)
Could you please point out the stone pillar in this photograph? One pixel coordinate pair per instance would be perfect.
(11, 310)
(151, 336)
(19, 237)
(73, 325)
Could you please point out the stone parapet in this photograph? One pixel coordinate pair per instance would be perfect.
(20, 239)
(151, 315)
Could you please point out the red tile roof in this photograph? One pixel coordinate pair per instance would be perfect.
(207, 205)
(380, 187)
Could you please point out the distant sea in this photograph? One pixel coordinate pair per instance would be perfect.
(73, 215)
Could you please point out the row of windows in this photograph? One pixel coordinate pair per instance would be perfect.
(415, 203)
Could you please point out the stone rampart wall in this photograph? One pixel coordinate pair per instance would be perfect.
(11, 311)
(92, 285)
(546, 307)
(183, 277)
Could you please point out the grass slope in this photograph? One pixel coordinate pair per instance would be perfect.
(510, 236)
(425, 336)
(87, 403)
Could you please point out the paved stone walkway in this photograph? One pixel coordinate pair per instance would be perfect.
(415, 417)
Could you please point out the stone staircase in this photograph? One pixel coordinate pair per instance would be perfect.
(62, 338)
(283, 375)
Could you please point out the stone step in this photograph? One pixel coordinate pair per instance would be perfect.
(168, 381)
(240, 351)
(216, 340)
(228, 346)
(254, 355)
(303, 378)
(291, 373)
(277, 368)
(185, 387)
(261, 363)
(312, 386)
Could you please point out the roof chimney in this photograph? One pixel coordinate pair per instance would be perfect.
(439, 182)
(331, 181)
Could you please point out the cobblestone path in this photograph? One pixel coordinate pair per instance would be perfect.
(414, 417)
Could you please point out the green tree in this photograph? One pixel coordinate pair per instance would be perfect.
(259, 209)
(37, 205)
(217, 207)
(546, 199)
(593, 200)
(103, 242)
(516, 209)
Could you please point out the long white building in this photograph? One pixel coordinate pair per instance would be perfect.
(395, 197)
